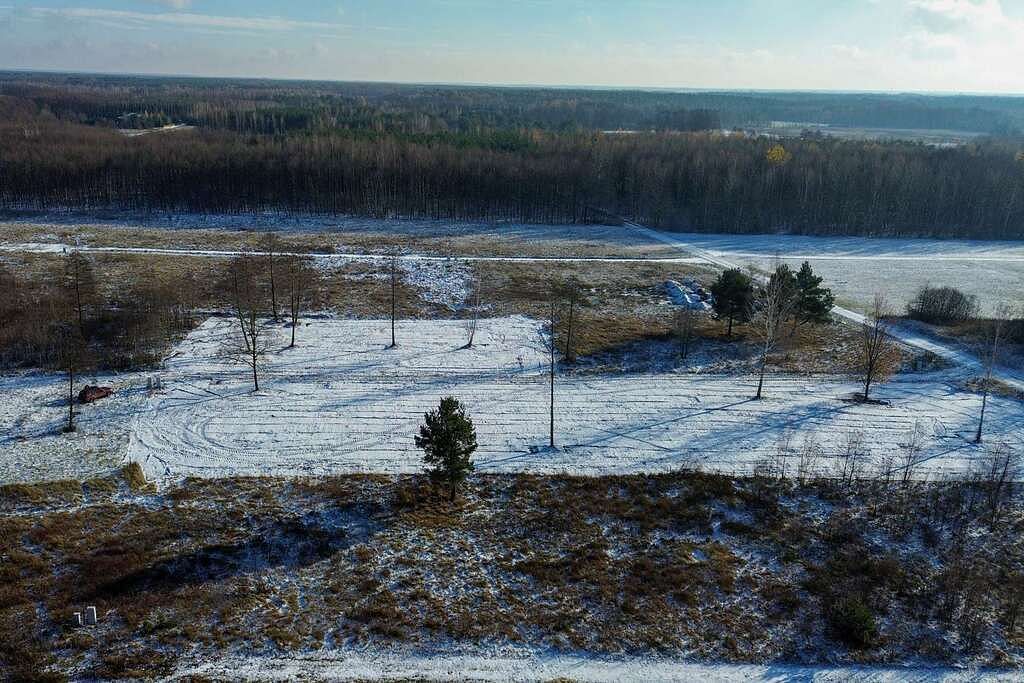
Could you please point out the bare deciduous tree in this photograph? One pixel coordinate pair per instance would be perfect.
(777, 464)
(772, 307)
(79, 284)
(911, 453)
(997, 472)
(552, 353)
(810, 456)
(474, 310)
(72, 355)
(886, 467)
(877, 349)
(302, 281)
(854, 455)
(685, 328)
(572, 292)
(393, 263)
(251, 341)
(990, 359)
(269, 244)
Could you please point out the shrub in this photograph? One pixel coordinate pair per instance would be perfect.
(853, 623)
(942, 305)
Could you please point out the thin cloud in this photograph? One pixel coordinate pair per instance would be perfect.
(189, 20)
(175, 4)
(943, 16)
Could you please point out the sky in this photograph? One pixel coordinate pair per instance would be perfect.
(877, 45)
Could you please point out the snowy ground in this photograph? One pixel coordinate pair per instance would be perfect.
(34, 410)
(896, 268)
(358, 666)
(858, 267)
(341, 402)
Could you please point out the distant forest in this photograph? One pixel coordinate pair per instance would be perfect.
(519, 154)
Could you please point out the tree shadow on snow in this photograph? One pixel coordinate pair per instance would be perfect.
(291, 543)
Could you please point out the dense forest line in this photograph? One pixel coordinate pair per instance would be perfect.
(265, 106)
(59, 150)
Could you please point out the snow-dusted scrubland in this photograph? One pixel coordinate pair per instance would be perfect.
(342, 402)
(858, 267)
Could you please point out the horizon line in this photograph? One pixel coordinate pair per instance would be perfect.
(537, 86)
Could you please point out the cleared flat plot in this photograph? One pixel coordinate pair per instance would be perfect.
(336, 234)
(857, 267)
(33, 410)
(342, 402)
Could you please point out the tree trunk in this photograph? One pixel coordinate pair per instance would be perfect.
(71, 398)
(394, 297)
(551, 435)
(295, 302)
(760, 381)
(570, 356)
(552, 423)
(981, 420)
(273, 288)
(255, 375)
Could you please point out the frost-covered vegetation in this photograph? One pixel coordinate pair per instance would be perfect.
(678, 565)
(745, 502)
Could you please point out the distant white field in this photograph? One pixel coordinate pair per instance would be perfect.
(341, 402)
(858, 267)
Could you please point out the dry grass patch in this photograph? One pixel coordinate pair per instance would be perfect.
(440, 240)
(637, 564)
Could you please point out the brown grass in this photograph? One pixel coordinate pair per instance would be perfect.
(581, 241)
(136, 478)
(639, 564)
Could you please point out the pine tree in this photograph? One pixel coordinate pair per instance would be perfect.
(814, 302)
(448, 440)
(733, 292)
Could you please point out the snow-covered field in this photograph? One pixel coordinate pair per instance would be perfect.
(858, 267)
(33, 410)
(342, 402)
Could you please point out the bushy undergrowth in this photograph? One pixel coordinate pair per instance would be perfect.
(113, 324)
(741, 570)
(942, 306)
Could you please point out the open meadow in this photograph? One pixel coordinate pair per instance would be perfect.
(342, 402)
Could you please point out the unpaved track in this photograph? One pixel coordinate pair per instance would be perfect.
(381, 665)
(970, 363)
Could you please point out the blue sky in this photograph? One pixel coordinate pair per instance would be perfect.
(921, 45)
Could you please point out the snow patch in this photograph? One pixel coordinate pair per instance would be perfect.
(343, 402)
